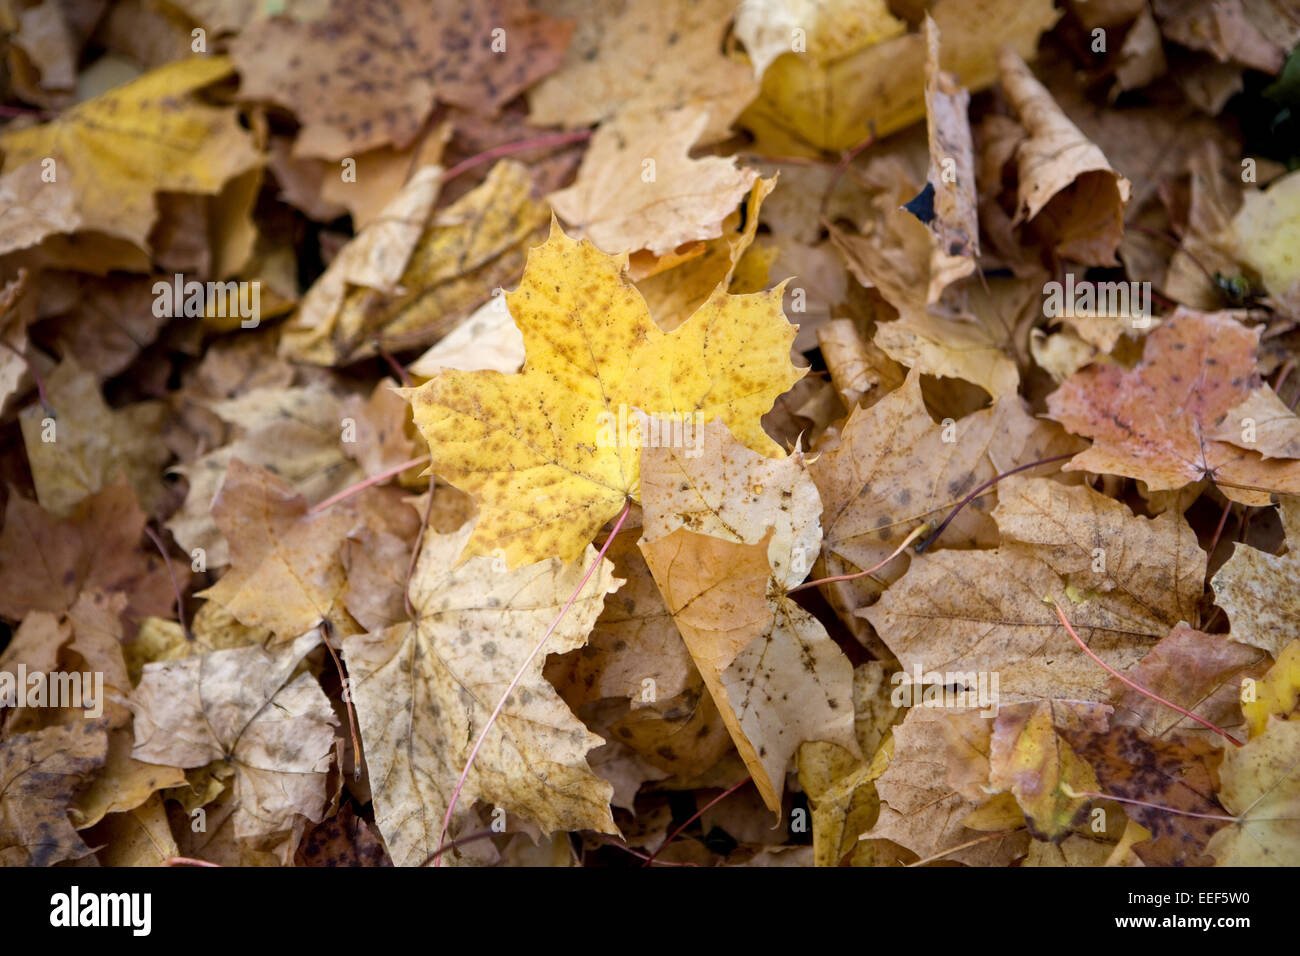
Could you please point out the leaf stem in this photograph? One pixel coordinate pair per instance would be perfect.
(1093, 795)
(920, 548)
(180, 597)
(540, 142)
(859, 574)
(472, 838)
(695, 816)
(496, 712)
(962, 846)
(363, 485)
(1137, 687)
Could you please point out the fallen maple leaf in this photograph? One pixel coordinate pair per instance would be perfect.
(921, 809)
(96, 149)
(39, 775)
(1200, 672)
(676, 199)
(46, 562)
(634, 650)
(350, 97)
(753, 532)
(1261, 788)
(1263, 233)
(1168, 774)
(895, 469)
(1030, 757)
(645, 57)
(1126, 580)
(424, 690)
(1257, 590)
(86, 445)
(1154, 422)
(1277, 693)
(286, 571)
(253, 710)
(293, 432)
(542, 452)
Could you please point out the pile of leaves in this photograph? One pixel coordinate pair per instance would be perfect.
(650, 431)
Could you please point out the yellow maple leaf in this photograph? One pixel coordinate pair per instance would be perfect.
(114, 152)
(551, 454)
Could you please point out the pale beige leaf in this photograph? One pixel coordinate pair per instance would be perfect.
(424, 691)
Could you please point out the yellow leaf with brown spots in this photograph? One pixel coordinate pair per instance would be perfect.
(551, 454)
(113, 153)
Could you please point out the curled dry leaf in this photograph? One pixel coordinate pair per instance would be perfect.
(1067, 188)
(466, 250)
(953, 222)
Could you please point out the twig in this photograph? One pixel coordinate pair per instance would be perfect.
(473, 837)
(845, 160)
(1218, 530)
(1093, 795)
(395, 365)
